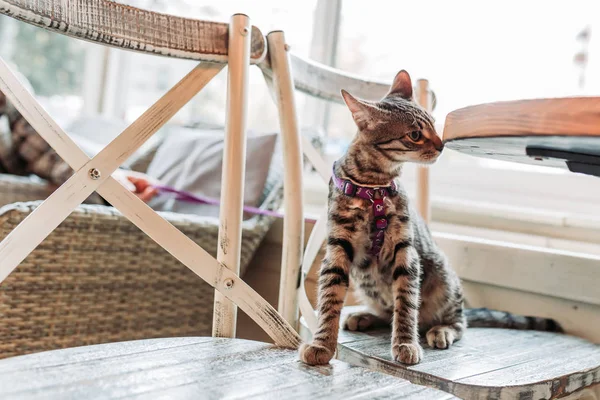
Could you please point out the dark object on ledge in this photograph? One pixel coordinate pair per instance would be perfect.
(576, 162)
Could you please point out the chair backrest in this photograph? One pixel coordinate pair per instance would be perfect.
(113, 24)
(325, 83)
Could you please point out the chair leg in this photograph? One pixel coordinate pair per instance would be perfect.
(423, 198)
(293, 225)
(234, 165)
(201, 263)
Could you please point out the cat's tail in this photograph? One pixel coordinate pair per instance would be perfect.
(485, 318)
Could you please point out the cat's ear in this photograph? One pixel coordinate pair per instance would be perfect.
(402, 85)
(362, 112)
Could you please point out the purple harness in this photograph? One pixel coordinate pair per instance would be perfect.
(377, 196)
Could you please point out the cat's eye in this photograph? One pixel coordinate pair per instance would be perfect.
(415, 136)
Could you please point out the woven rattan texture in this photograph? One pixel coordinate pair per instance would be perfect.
(97, 278)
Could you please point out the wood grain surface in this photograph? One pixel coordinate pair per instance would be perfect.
(193, 368)
(504, 130)
(110, 23)
(486, 363)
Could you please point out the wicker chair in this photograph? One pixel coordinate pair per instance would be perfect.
(78, 286)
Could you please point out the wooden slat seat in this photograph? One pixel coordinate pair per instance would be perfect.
(206, 368)
(486, 363)
(110, 23)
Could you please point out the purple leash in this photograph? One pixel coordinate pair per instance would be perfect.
(198, 199)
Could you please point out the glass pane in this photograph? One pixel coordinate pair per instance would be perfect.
(53, 65)
(149, 75)
(472, 52)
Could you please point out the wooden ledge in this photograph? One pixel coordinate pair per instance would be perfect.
(562, 132)
(570, 116)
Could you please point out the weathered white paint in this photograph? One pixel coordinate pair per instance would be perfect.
(234, 168)
(324, 82)
(487, 363)
(293, 227)
(156, 227)
(112, 24)
(193, 368)
(323, 168)
(37, 226)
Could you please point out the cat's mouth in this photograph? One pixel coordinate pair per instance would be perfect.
(429, 157)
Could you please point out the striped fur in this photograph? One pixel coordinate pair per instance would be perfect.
(411, 285)
(484, 318)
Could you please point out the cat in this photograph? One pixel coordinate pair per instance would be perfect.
(377, 239)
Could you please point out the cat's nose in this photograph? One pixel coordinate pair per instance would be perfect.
(440, 146)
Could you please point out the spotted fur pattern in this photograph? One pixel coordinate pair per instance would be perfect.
(410, 285)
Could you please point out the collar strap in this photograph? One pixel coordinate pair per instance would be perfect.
(351, 189)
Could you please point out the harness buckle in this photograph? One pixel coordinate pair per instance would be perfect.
(349, 188)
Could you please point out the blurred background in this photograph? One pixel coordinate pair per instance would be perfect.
(471, 52)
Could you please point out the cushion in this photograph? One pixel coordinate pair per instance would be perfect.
(191, 160)
(94, 132)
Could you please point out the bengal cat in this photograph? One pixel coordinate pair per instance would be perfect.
(378, 240)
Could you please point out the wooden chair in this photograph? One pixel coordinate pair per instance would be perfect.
(196, 366)
(486, 363)
(164, 301)
(238, 45)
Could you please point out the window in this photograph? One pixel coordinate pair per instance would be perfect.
(140, 90)
(477, 52)
(53, 64)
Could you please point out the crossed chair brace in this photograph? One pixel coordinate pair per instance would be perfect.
(95, 175)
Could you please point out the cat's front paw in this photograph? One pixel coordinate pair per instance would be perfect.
(407, 353)
(441, 337)
(359, 321)
(315, 354)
